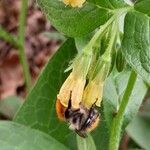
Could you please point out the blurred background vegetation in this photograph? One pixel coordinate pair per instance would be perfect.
(38, 40)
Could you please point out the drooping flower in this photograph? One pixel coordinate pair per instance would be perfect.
(76, 81)
(94, 90)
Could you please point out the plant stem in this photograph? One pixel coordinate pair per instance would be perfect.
(118, 119)
(99, 33)
(21, 35)
(9, 38)
(114, 30)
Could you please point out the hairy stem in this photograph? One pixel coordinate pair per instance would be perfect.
(4, 35)
(118, 119)
(21, 35)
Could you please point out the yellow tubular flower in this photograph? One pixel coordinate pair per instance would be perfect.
(74, 3)
(76, 87)
(94, 90)
(75, 82)
(93, 94)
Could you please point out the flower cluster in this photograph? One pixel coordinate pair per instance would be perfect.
(89, 71)
(85, 89)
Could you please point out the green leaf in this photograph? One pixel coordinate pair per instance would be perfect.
(110, 4)
(81, 42)
(85, 143)
(10, 105)
(136, 43)
(54, 36)
(120, 61)
(74, 21)
(15, 136)
(143, 6)
(139, 131)
(101, 134)
(38, 110)
(115, 86)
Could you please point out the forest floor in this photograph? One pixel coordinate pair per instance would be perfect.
(38, 47)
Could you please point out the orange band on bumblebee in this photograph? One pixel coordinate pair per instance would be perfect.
(60, 110)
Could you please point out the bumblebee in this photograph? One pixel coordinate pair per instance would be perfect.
(81, 120)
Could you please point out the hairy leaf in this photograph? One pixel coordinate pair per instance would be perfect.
(15, 136)
(10, 105)
(110, 4)
(101, 134)
(143, 6)
(139, 131)
(85, 143)
(74, 21)
(38, 110)
(136, 43)
(115, 86)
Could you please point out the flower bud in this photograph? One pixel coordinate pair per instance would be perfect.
(74, 3)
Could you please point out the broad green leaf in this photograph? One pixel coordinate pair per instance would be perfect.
(85, 143)
(110, 4)
(14, 136)
(10, 105)
(110, 101)
(74, 22)
(115, 86)
(136, 43)
(38, 110)
(101, 134)
(139, 131)
(143, 6)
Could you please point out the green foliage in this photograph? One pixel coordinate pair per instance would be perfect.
(139, 130)
(15, 136)
(117, 83)
(110, 4)
(39, 109)
(8, 37)
(120, 61)
(10, 105)
(54, 36)
(141, 124)
(123, 90)
(85, 144)
(143, 6)
(136, 43)
(74, 21)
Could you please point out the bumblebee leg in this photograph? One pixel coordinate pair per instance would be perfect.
(68, 112)
(81, 134)
(69, 103)
(94, 104)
